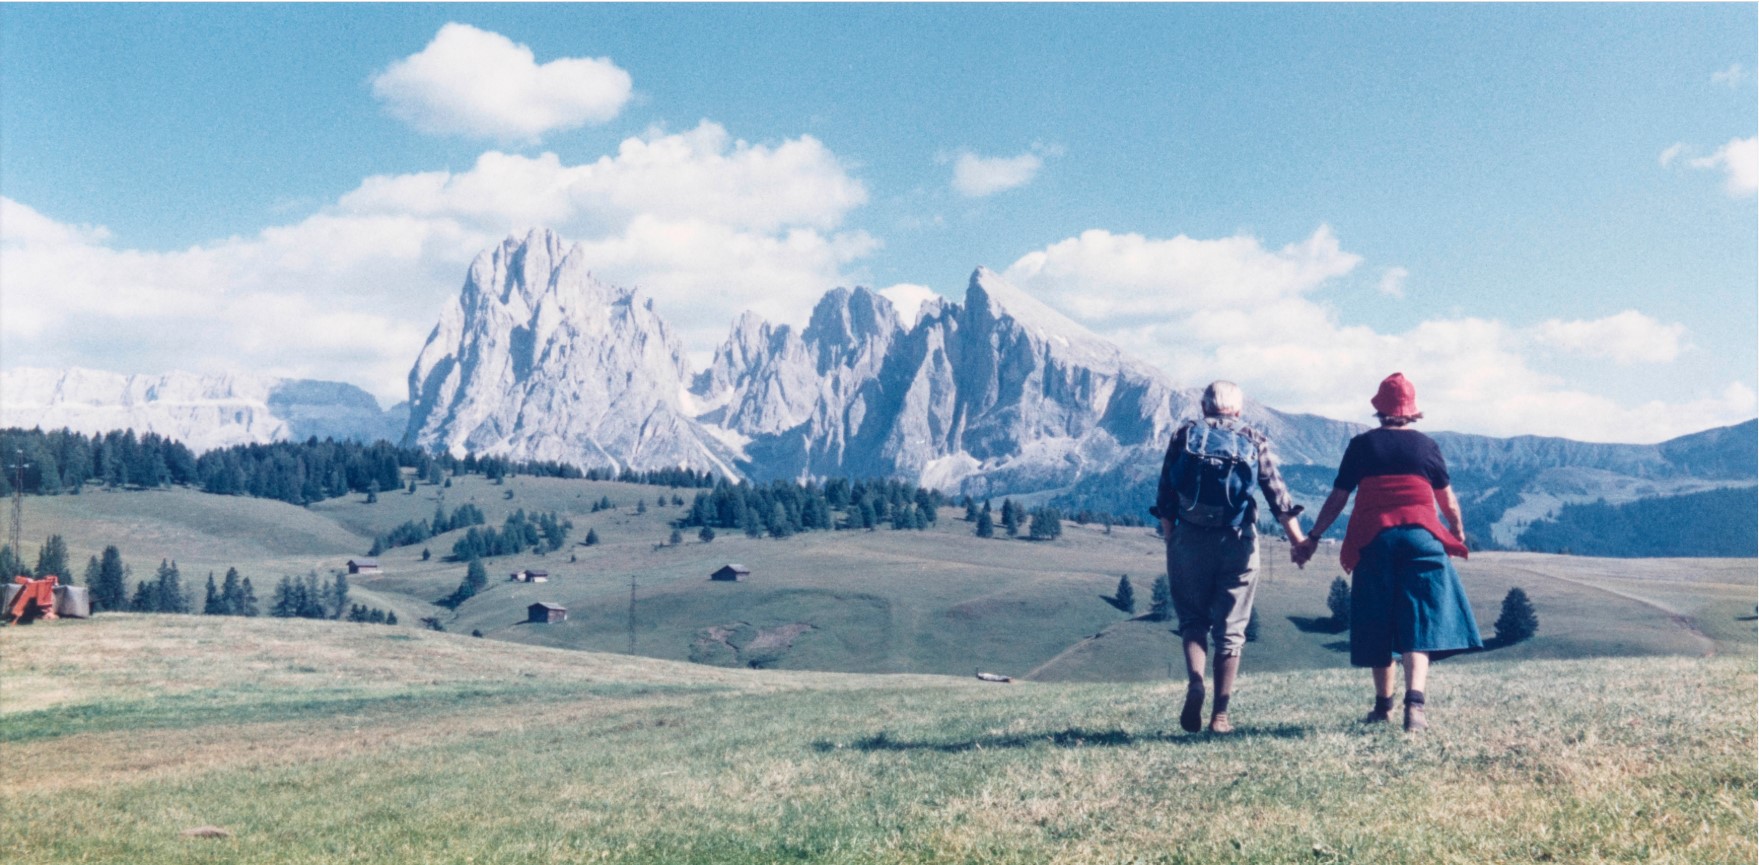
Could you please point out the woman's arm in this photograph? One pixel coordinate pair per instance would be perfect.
(1328, 512)
(1450, 511)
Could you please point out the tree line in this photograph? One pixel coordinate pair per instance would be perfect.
(416, 531)
(300, 473)
(784, 508)
(107, 578)
(545, 532)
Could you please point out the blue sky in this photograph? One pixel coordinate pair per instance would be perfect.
(1545, 215)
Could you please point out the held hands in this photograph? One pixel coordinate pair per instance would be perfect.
(1302, 551)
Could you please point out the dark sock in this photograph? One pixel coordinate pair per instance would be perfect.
(1221, 704)
(1383, 704)
(1413, 698)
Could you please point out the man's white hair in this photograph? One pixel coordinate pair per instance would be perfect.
(1223, 397)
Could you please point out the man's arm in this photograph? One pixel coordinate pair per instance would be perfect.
(1276, 493)
(1164, 498)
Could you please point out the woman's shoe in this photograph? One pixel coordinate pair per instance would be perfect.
(1191, 719)
(1378, 716)
(1414, 718)
(1219, 723)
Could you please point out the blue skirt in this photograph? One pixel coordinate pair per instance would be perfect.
(1405, 597)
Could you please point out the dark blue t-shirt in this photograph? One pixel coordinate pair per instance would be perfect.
(1386, 451)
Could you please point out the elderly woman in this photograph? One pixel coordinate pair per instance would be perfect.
(1405, 597)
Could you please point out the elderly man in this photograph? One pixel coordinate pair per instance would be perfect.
(1210, 521)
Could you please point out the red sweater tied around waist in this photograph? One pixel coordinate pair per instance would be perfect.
(1385, 501)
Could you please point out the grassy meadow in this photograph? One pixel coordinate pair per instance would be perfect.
(323, 742)
(936, 601)
(1623, 732)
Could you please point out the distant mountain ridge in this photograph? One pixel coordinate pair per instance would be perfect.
(997, 394)
(205, 412)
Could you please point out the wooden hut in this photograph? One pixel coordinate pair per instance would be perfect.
(363, 566)
(544, 612)
(731, 573)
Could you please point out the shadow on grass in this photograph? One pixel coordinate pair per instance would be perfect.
(1317, 625)
(1337, 645)
(1069, 737)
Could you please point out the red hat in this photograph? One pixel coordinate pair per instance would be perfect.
(1397, 397)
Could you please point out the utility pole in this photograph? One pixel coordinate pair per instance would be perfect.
(631, 614)
(17, 535)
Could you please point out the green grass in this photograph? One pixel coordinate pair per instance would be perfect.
(334, 743)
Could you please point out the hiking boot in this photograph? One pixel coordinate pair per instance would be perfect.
(1191, 719)
(1219, 723)
(1414, 718)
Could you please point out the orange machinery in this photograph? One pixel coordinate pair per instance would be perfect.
(39, 593)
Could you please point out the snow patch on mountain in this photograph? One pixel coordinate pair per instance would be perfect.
(204, 412)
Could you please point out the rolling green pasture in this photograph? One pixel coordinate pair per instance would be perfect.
(329, 742)
(937, 601)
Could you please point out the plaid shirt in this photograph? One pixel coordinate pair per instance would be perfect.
(1270, 481)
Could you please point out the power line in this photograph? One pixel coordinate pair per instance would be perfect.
(631, 614)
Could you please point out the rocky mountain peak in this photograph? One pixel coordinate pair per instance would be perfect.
(537, 359)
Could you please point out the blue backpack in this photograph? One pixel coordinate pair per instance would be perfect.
(1215, 474)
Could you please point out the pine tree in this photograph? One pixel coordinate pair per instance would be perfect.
(339, 595)
(10, 565)
(1047, 525)
(142, 602)
(247, 600)
(231, 594)
(286, 602)
(52, 559)
(592, 537)
(676, 538)
(970, 510)
(1518, 621)
(1160, 606)
(311, 599)
(1338, 601)
(1010, 520)
(211, 605)
(706, 535)
(641, 507)
(93, 569)
(986, 527)
(168, 596)
(110, 589)
(1126, 595)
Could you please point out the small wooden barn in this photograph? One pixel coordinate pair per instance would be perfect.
(731, 573)
(544, 613)
(363, 566)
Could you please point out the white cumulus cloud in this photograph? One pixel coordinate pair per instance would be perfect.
(350, 292)
(1625, 338)
(478, 84)
(1234, 308)
(1730, 77)
(1739, 160)
(1672, 153)
(978, 176)
(1392, 282)
(908, 299)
